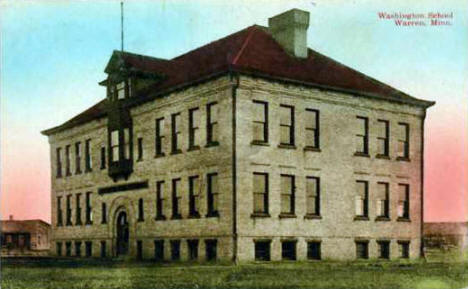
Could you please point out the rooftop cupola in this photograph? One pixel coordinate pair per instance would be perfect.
(290, 30)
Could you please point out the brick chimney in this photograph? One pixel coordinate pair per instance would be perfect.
(290, 30)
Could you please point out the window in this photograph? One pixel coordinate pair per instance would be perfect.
(160, 201)
(192, 249)
(103, 249)
(175, 250)
(140, 149)
(260, 193)
(88, 160)
(212, 195)
(211, 249)
(312, 129)
(126, 143)
(67, 160)
(158, 250)
(403, 140)
(103, 213)
(260, 122)
(313, 196)
(69, 211)
(59, 162)
(403, 201)
(313, 250)
(194, 196)
(288, 250)
(59, 211)
(262, 250)
(89, 248)
(286, 125)
(120, 89)
(383, 137)
(78, 158)
(384, 249)
(362, 136)
(78, 209)
(77, 248)
(176, 199)
(175, 133)
(115, 145)
(287, 194)
(403, 248)
(212, 124)
(194, 120)
(103, 158)
(58, 247)
(139, 249)
(141, 212)
(362, 249)
(159, 136)
(382, 201)
(362, 200)
(68, 249)
(89, 211)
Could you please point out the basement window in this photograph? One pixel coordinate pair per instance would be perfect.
(192, 249)
(403, 248)
(211, 249)
(158, 250)
(313, 250)
(89, 248)
(384, 249)
(175, 250)
(362, 249)
(288, 250)
(262, 250)
(78, 248)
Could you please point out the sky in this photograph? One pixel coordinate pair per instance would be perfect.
(53, 54)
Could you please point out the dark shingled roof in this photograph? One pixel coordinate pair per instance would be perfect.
(250, 51)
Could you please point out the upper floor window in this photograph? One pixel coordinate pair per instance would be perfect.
(383, 138)
(89, 210)
(362, 136)
(159, 136)
(260, 193)
(212, 195)
(403, 201)
(212, 124)
(312, 129)
(88, 160)
(403, 140)
(194, 196)
(59, 212)
(194, 132)
(103, 213)
(260, 122)
(103, 158)
(160, 199)
(78, 209)
(287, 195)
(67, 161)
(176, 131)
(59, 162)
(115, 146)
(382, 200)
(69, 211)
(78, 158)
(141, 210)
(120, 90)
(313, 196)
(140, 149)
(176, 196)
(362, 199)
(286, 125)
(126, 143)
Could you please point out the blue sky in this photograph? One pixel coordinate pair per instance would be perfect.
(53, 54)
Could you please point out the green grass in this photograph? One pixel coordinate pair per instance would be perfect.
(322, 274)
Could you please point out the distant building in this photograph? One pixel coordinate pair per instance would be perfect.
(446, 234)
(24, 237)
(252, 147)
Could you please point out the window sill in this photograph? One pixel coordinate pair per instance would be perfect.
(361, 154)
(286, 216)
(260, 215)
(176, 152)
(212, 215)
(260, 143)
(382, 219)
(312, 217)
(403, 159)
(287, 146)
(383, 157)
(159, 155)
(88, 223)
(176, 217)
(400, 219)
(312, 149)
(212, 144)
(193, 148)
(160, 218)
(361, 218)
(194, 216)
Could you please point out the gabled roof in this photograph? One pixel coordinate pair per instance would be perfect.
(251, 51)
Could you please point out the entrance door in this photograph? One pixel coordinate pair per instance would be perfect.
(122, 234)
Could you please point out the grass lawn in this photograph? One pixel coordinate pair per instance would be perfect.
(323, 274)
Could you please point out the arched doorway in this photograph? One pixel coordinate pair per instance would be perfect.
(122, 234)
